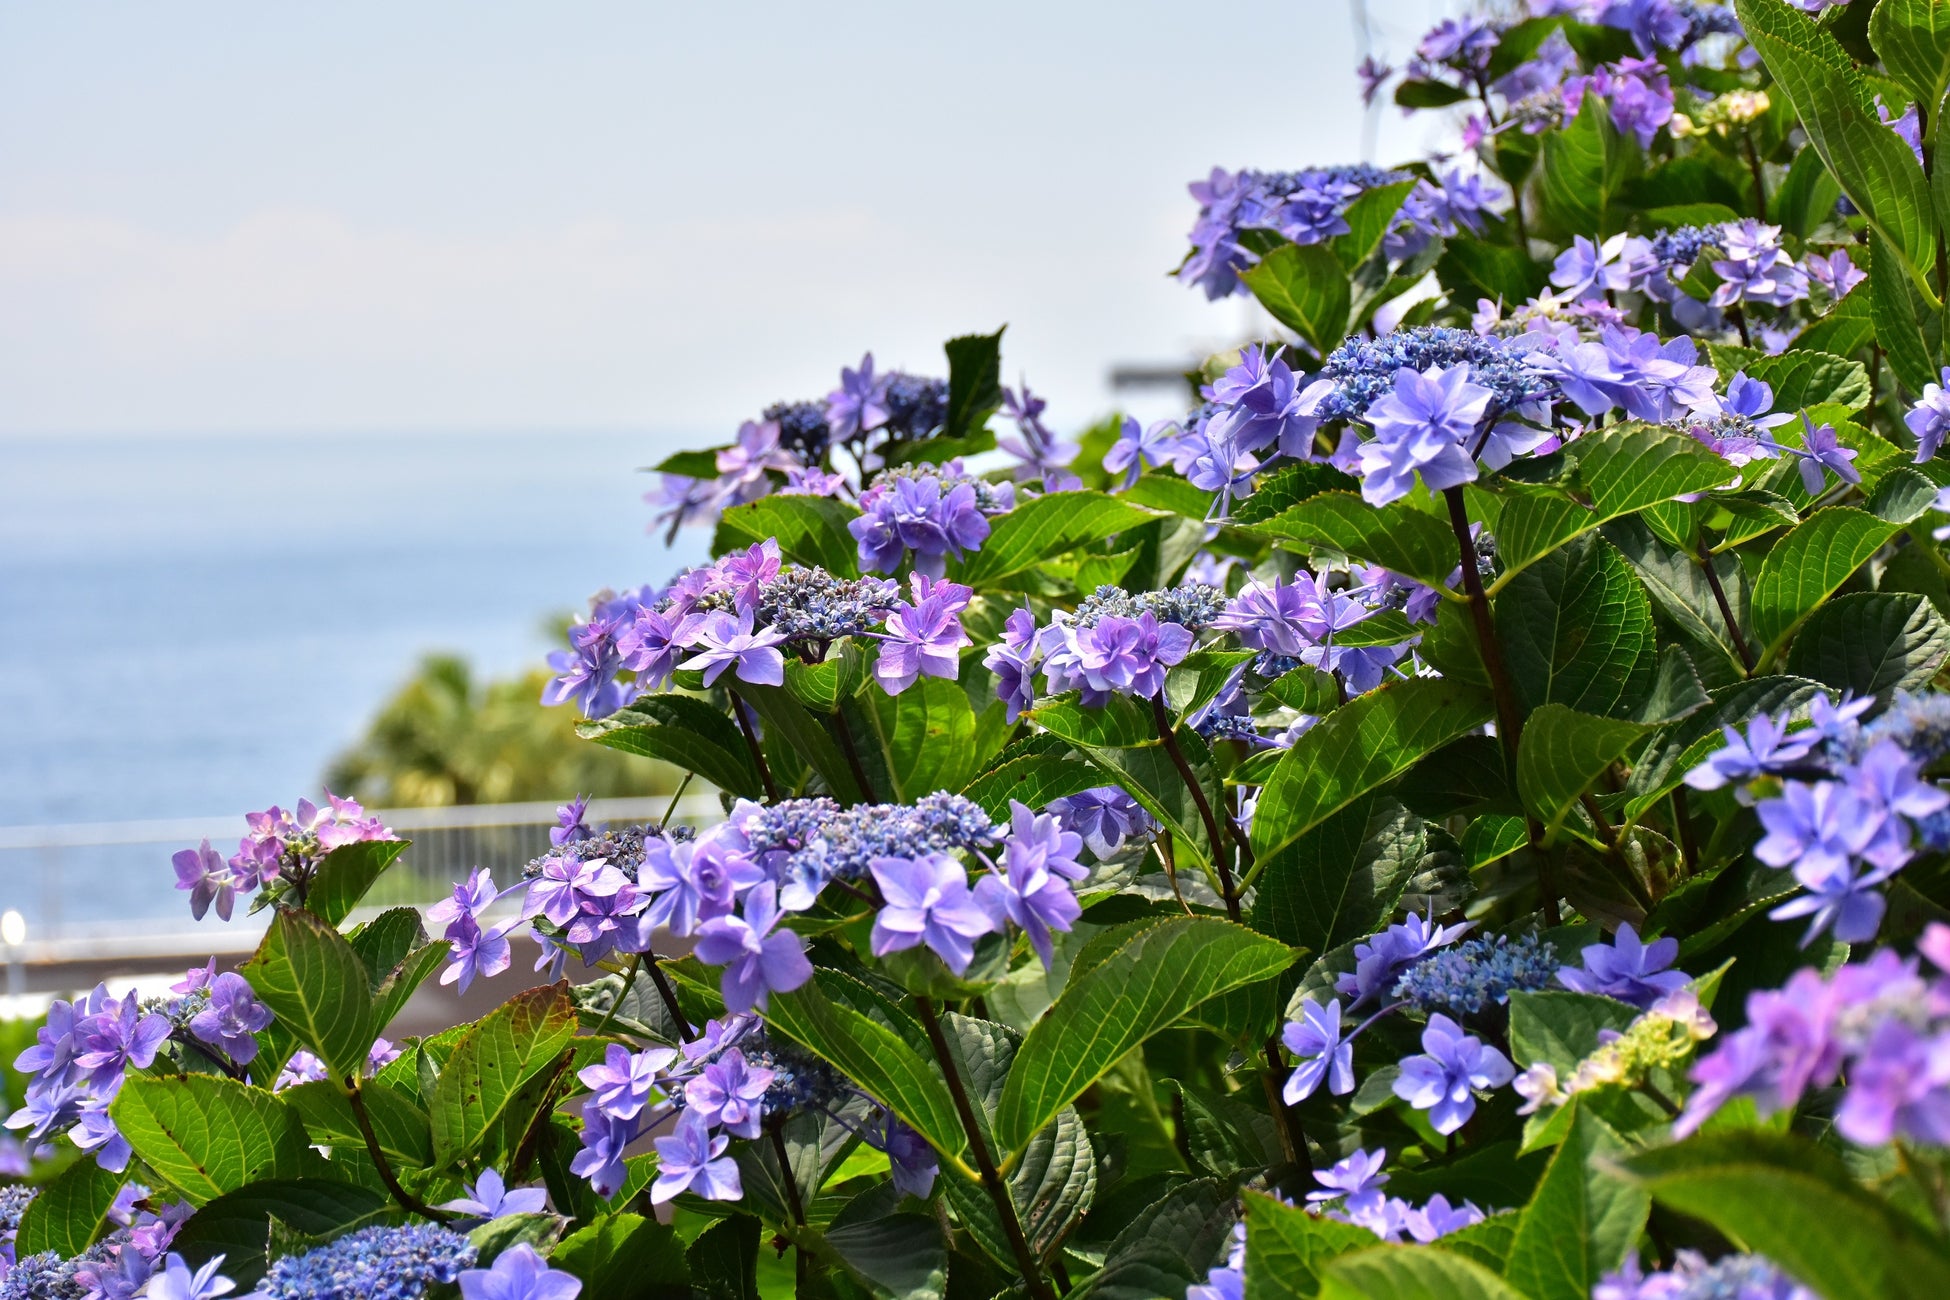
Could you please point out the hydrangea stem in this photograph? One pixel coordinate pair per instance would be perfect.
(738, 707)
(794, 1203)
(1509, 716)
(669, 996)
(1005, 1206)
(1726, 609)
(406, 1199)
(1170, 741)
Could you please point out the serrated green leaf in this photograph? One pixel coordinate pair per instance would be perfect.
(1195, 680)
(205, 1135)
(346, 873)
(1794, 1202)
(624, 1255)
(1357, 748)
(1034, 779)
(1287, 487)
(1046, 527)
(1412, 1273)
(1562, 752)
(974, 382)
(1677, 584)
(1585, 166)
(901, 1256)
(385, 941)
(1901, 497)
(682, 730)
(496, 1056)
(1870, 643)
(1287, 1249)
(398, 1122)
(924, 737)
(398, 988)
(1801, 378)
(1913, 38)
(70, 1212)
(821, 1016)
(1876, 169)
(1342, 879)
(1399, 537)
(1368, 219)
(315, 984)
(1896, 312)
(1560, 1029)
(1583, 1221)
(1805, 567)
(810, 530)
(1167, 1247)
(1475, 268)
(1577, 631)
(1306, 290)
(787, 722)
(1158, 974)
(1169, 492)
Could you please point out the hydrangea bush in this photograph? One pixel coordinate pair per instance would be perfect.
(1457, 813)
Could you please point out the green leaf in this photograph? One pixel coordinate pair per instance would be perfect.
(314, 983)
(1805, 567)
(787, 722)
(1399, 537)
(1160, 971)
(1428, 94)
(1169, 492)
(810, 530)
(1846, 327)
(397, 1120)
(385, 941)
(1287, 1249)
(1562, 1029)
(1046, 527)
(685, 731)
(1803, 378)
(1913, 38)
(624, 1255)
(1368, 219)
(1225, 1135)
(1287, 487)
(1802, 201)
(1577, 631)
(1357, 748)
(1584, 1219)
(691, 464)
(1034, 779)
(398, 988)
(346, 873)
(825, 1016)
(1306, 290)
(1584, 167)
(1896, 311)
(1412, 1273)
(1682, 746)
(1563, 752)
(490, 1064)
(974, 382)
(1876, 170)
(1201, 675)
(1871, 643)
(900, 1255)
(1793, 1201)
(1121, 741)
(70, 1212)
(1341, 880)
(1475, 268)
(235, 1225)
(205, 1135)
(723, 1261)
(1055, 1180)
(925, 736)
(1677, 585)
(1167, 1247)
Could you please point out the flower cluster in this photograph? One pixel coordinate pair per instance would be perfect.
(1846, 804)
(371, 1264)
(1877, 1025)
(281, 847)
(1692, 1277)
(929, 512)
(1115, 643)
(1294, 623)
(86, 1048)
(743, 615)
(1238, 209)
(134, 1254)
(1661, 1038)
(1478, 974)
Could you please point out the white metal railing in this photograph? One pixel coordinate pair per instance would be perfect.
(86, 890)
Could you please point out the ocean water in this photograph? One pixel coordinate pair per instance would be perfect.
(193, 626)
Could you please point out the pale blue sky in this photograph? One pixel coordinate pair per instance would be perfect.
(229, 216)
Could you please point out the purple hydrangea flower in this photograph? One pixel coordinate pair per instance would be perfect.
(1138, 448)
(728, 642)
(490, 1198)
(472, 896)
(203, 872)
(1324, 1055)
(913, 1162)
(1757, 268)
(915, 514)
(928, 902)
(568, 827)
(1899, 1086)
(176, 1281)
(1043, 840)
(476, 952)
(1358, 1178)
(1822, 449)
(1930, 417)
(117, 1037)
(859, 404)
(923, 639)
(604, 1138)
(1104, 817)
(1422, 424)
(1378, 960)
(1836, 274)
(692, 883)
(1452, 1068)
(519, 1273)
(625, 1082)
(1585, 265)
(1125, 656)
(1627, 969)
(1024, 890)
(691, 1159)
(587, 671)
(1767, 747)
(730, 1094)
(757, 961)
(1014, 664)
(233, 1016)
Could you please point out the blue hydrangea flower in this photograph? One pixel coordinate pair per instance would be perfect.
(1478, 974)
(692, 1159)
(928, 902)
(1322, 1053)
(1627, 969)
(371, 1264)
(519, 1273)
(1452, 1068)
